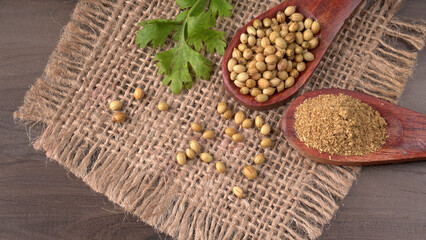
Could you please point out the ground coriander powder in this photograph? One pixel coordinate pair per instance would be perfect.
(340, 125)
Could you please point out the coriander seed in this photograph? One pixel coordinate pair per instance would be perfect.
(238, 192)
(262, 98)
(138, 94)
(266, 143)
(258, 121)
(206, 157)
(190, 153)
(220, 167)
(194, 145)
(119, 117)
(259, 159)
(247, 123)
(265, 129)
(231, 63)
(315, 27)
(289, 82)
(208, 135)
(181, 158)
(222, 107)
(196, 127)
(162, 106)
(115, 105)
(250, 172)
(290, 10)
(237, 137)
(230, 131)
(239, 117)
(227, 114)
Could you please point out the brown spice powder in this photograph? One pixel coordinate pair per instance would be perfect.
(340, 125)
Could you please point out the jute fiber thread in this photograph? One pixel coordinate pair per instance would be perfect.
(134, 165)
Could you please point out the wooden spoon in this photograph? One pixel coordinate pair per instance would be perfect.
(330, 13)
(406, 129)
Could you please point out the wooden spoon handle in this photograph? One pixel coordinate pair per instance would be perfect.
(412, 145)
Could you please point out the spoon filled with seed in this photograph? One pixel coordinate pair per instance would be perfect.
(344, 127)
(273, 55)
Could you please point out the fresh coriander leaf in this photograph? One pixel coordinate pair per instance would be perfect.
(175, 64)
(199, 31)
(198, 8)
(221, 7)
(215, 41)
(181, 16)
(155, 31)
(185, 3)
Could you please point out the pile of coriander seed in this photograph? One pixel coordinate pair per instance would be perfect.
(272, 53)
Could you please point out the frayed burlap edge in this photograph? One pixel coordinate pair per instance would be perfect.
(158, 203)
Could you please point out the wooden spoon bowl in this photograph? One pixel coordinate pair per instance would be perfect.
(330, 13)
(406, 129)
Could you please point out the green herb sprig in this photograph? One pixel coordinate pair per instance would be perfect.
(192, 29)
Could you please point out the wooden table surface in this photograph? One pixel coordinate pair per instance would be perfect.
(41, 200)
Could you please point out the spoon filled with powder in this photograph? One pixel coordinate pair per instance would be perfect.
(343, 127)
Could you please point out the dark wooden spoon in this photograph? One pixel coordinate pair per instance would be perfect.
(330, 13)
(406, 129)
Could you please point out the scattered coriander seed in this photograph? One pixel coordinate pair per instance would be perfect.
(239, 117)
(196, 127)
(194, 145)
(238, 192)
(190, 153)
(222, 107)
(250, 172)
(138, 94)
(265, 129)
(259, 159)
(266, 143)
(258, 121)
(162, 106)
(119, 117)
(206, 157)
(115, 105)
(227, 114)
(208, 135)
(230, 131)
(237, 137)
(220, 167)
(247, 123)
(181, 158)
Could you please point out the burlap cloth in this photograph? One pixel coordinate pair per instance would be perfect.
(133, 163)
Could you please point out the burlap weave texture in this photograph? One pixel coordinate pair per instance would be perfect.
(133, 163)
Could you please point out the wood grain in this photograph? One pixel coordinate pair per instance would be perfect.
(325, 11)
(406, 129)
(41, 200)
